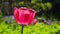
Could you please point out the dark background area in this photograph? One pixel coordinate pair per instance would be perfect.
(41, 7)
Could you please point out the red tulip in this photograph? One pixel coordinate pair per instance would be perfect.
(23, 15)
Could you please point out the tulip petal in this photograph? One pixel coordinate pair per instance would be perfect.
(16, 14)
(23, 14)
(31, 17)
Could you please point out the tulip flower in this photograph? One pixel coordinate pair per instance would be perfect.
(23, 15)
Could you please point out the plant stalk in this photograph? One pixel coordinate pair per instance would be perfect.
(22, 30)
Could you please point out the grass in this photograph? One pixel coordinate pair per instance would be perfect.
(38, 28)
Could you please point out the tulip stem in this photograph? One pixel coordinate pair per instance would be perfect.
(22, 30)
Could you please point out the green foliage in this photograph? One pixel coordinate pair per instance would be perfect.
(33, 1)
(39, 28)
(0, 13)
(49, 5)
(35, 4)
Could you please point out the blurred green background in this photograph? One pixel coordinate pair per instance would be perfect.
(47, 15)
